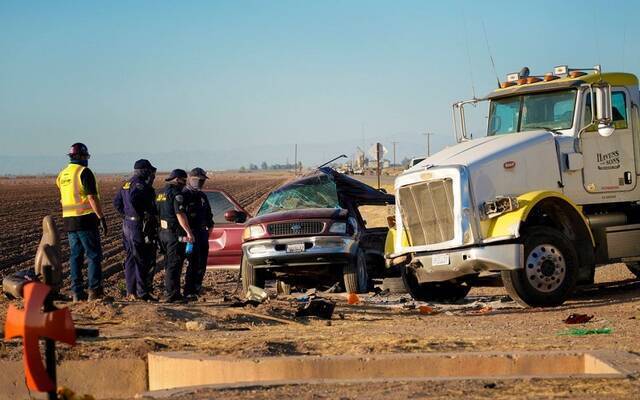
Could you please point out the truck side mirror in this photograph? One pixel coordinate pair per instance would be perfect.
(601, 97)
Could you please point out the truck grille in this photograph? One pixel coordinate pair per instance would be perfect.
(427, 212)
(295, 228)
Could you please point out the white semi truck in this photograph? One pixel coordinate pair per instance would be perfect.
(549, 193)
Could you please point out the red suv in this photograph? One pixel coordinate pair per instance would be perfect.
(310, 232)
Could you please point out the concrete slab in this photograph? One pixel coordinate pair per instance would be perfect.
(104, 379)
(182, 370)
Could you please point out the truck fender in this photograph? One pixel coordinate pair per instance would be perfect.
(548, 208)
(510, 224)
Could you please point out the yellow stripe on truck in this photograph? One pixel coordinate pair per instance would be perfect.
(508, 224)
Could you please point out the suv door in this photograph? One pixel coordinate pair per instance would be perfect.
(225, 239)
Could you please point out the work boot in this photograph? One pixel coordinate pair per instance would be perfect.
(191, 297)
(173, 299)
(148, 298)
(78, 297)
(131, 297)
(96, 294)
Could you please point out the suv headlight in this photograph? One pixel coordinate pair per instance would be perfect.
(338, 227)
(253, 232)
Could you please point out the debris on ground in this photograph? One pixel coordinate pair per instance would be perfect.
(353, 298)
(573, 319)
(428, 310)
(257, 294)
(585, 332)
(318, 307)
(483, 310)
(199, 326)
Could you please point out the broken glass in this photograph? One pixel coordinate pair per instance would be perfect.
(319, 191)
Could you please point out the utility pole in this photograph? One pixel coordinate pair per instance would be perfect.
(394, 153)
(428, 136)
(295, 165)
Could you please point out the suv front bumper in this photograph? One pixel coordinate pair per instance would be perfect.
(319, 250)
(442, 266)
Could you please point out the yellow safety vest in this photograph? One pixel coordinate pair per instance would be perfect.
(75, 202)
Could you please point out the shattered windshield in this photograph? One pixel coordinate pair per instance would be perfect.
(551, 111)
(315, 192)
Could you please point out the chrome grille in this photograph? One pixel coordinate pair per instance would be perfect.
(295, 228)
(427, 211)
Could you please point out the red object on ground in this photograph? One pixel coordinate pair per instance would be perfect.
(578, 319)
(353, 298)
(32, 324)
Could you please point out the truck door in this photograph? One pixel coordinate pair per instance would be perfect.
(609, 164)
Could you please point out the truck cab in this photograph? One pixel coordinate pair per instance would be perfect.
(546, 196)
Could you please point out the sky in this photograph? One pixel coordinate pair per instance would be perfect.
(226, 83)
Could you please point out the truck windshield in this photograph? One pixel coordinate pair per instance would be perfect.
(316, 192)
(532, 112)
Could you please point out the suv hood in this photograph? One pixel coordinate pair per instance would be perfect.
(305, 213)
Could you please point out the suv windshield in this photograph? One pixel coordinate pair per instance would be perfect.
(316, 192)
(531, 112)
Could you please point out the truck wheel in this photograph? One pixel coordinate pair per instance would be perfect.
(549, 272)
(283, 288)
(634, 268)
(442, 292)
(250, 277)
(355, 275)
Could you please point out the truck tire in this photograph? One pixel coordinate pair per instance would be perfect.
(283, 288)
(634, 268)
(355, 275)
(250, 277)
(549, 272)
(441, 292)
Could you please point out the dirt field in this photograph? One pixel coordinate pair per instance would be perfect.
(486, 320)
(25, 201)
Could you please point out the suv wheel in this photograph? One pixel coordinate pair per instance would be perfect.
(250, 277)
(550, 269)
(442, 292)
(356, 279)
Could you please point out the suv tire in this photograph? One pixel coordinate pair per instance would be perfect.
(250, 277)
(355, 275)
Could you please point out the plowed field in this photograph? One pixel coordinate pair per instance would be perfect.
(25, 201)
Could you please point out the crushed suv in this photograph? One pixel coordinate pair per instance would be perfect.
(310, 233)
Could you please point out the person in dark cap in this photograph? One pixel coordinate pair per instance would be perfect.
(201, 221)
(135, 201)
(174, 231)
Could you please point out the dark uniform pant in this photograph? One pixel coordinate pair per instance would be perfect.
(173, 261)
(138, 259)
(197, 262)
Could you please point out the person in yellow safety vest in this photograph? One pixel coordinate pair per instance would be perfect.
(82, 215)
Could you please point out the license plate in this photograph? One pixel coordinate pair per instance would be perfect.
(295, 248)
(440, 259)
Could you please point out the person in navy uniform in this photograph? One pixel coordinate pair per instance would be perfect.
(201, 222)
(174, 231)
(135, 201)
